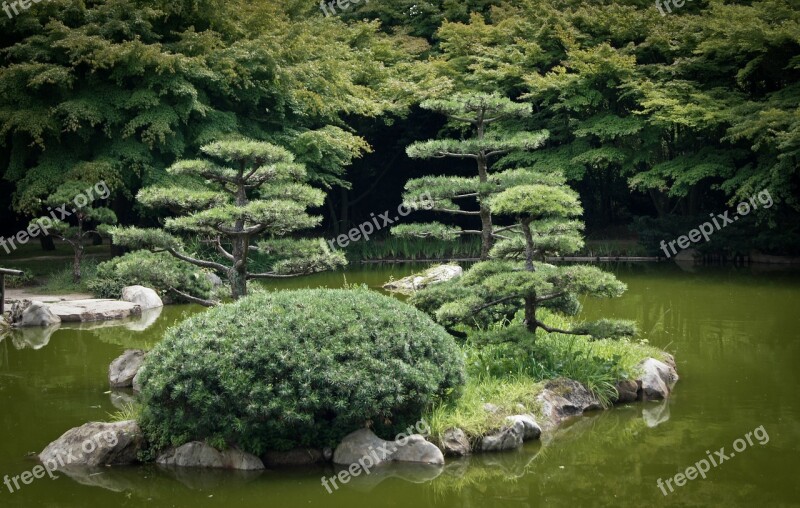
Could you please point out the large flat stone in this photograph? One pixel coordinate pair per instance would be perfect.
(94, 310)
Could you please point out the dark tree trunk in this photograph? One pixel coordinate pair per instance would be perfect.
(47, 243)
(76, 262)
(530, 314)
(344, 209)
(237, 275)
(530, 300)
(486, 214)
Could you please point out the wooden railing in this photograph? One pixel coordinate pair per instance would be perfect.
(3, 273)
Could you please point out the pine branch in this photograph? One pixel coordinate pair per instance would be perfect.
(550, 329)
(198, 262)
(194, 299)
(454, 211)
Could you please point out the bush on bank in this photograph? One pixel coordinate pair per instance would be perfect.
(304, 368)
(159, 271)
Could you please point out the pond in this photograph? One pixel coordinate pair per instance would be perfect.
(734, 332)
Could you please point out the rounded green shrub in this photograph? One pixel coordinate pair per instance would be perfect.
(279, 370)
(158, 271)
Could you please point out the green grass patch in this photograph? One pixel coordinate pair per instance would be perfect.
(129, 411)
(392, 248)
(60, 281)
(512, 395)
(508, 349)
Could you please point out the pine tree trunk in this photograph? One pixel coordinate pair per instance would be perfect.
(486, 232)
(237, 275)
(530, 314)
(47, 243)
(238, 282)
(529, 246)
(530, 301)
(76, 262)
(486, 214)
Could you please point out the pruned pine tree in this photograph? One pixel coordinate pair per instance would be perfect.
(518, 278)
(253, 190)
(73, 222)
(484, 113)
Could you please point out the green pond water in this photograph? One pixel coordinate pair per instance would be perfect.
(734, 332)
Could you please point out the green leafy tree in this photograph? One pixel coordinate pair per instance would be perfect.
(451, 195)
(517, 278)
(254, 189)
(134, 85)
(74, 217)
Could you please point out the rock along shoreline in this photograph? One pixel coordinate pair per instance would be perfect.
(560, 400)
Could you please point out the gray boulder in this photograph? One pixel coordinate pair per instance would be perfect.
(214, 279)
(509, 437)
(33, 313)
(363, 443)
(657, 379)
(455, 442)
(144, 297)
(94, 444)
(415, 448)
(627, 391)
(82, 311)
(431, 276)
(122, 370)
(563, 398)
(531, 429)
(197, 454)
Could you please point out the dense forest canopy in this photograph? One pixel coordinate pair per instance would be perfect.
(655, 120)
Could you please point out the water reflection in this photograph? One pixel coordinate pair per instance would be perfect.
(37, 337)
(34, 337)
(655, 415)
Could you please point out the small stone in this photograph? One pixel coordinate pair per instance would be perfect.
(455, 442)
(490, 408)
(657, 379)
(531, 429)
(627, 391)
(509, 437)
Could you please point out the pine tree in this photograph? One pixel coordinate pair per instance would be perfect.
(253, 189)
(74, 201)
(518, 278)
(479, 111)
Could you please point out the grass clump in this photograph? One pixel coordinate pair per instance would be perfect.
(512, 395)
(128, 411)
(61, 281)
